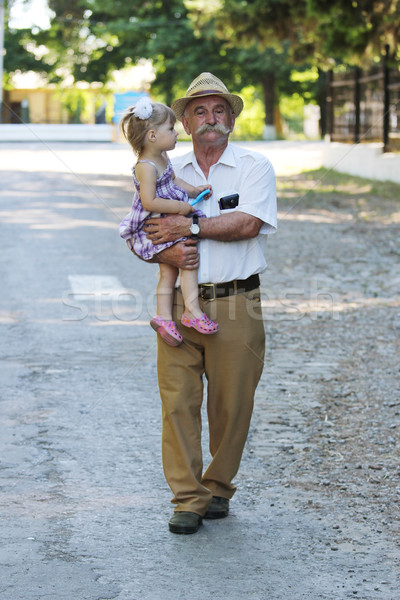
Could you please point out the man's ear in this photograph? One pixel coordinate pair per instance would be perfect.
(233, 119)
(186, 125)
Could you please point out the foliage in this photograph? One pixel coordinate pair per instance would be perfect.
(80, 104)
(259, 44)
(292, 111)
(22, 51)
(318, 30)
(250, 123)
(91, 38)
(101, 36)
(18, 57)
(264, 62)
(356, 31)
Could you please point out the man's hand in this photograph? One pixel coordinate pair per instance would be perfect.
(167, 229)
(183, 255)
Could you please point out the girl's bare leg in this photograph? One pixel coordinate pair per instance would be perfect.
(165, 291)
(190, 294)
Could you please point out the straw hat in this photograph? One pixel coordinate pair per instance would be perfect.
(206, 84)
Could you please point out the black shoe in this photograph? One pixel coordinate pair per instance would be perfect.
(218, 508)
(184, 522)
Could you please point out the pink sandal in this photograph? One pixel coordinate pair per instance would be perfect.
(203, 324)
(167, 330)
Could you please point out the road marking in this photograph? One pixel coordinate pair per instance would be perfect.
(106, 286)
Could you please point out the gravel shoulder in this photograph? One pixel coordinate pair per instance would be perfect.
(327, 421)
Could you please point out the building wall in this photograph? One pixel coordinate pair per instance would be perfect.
(43, 106)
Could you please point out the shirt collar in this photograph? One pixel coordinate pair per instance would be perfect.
(227, 158)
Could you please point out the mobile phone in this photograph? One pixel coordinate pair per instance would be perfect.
(227, 202)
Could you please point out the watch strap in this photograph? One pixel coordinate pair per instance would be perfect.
(195, 226)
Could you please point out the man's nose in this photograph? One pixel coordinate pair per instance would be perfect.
(211, 118)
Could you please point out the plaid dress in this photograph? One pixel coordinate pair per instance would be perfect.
(131, 225)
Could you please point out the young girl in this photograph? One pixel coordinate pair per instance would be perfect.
(149, 128)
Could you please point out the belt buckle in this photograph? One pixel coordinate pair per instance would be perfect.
(209, 285)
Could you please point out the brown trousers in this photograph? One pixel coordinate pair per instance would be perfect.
(232, 361)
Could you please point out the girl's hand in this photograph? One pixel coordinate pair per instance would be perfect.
(200, 188)
(185, 209)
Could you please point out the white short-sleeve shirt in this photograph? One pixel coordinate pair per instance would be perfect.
(250, 175)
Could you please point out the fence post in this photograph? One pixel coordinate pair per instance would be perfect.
(357, 101)
(386, 100)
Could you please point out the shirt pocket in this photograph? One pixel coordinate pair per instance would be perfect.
(229, 195)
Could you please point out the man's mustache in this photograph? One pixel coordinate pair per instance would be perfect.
(218, 127)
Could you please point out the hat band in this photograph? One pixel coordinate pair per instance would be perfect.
(209, 93)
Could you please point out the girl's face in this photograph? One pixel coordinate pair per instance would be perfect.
(166, 136)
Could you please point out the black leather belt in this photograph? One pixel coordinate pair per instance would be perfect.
(211, 291)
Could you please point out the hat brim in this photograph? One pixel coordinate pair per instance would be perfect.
(235, 102)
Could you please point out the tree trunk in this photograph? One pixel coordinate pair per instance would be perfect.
(322, 92)
(268, 85)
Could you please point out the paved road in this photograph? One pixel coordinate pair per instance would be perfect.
(83, 500)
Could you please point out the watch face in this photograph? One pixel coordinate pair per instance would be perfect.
(195, 229)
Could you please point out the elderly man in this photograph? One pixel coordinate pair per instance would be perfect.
(228, 248)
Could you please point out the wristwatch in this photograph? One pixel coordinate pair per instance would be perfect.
(195, 227)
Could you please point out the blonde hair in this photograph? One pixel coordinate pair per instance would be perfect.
(135, 129)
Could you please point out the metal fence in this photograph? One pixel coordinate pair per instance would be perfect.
(365, 106)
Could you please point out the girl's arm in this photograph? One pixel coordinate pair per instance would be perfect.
(191, 191)
(147, 177)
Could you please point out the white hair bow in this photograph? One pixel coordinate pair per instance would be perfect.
(143, 108)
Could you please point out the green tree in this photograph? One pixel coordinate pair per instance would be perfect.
(17, 56)
(22, 51)
(104, 35)
(271, 71)
(318, 30)
(356, 31)
(264, 57)
(91, 38)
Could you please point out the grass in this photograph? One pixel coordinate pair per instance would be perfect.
(329, 190)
